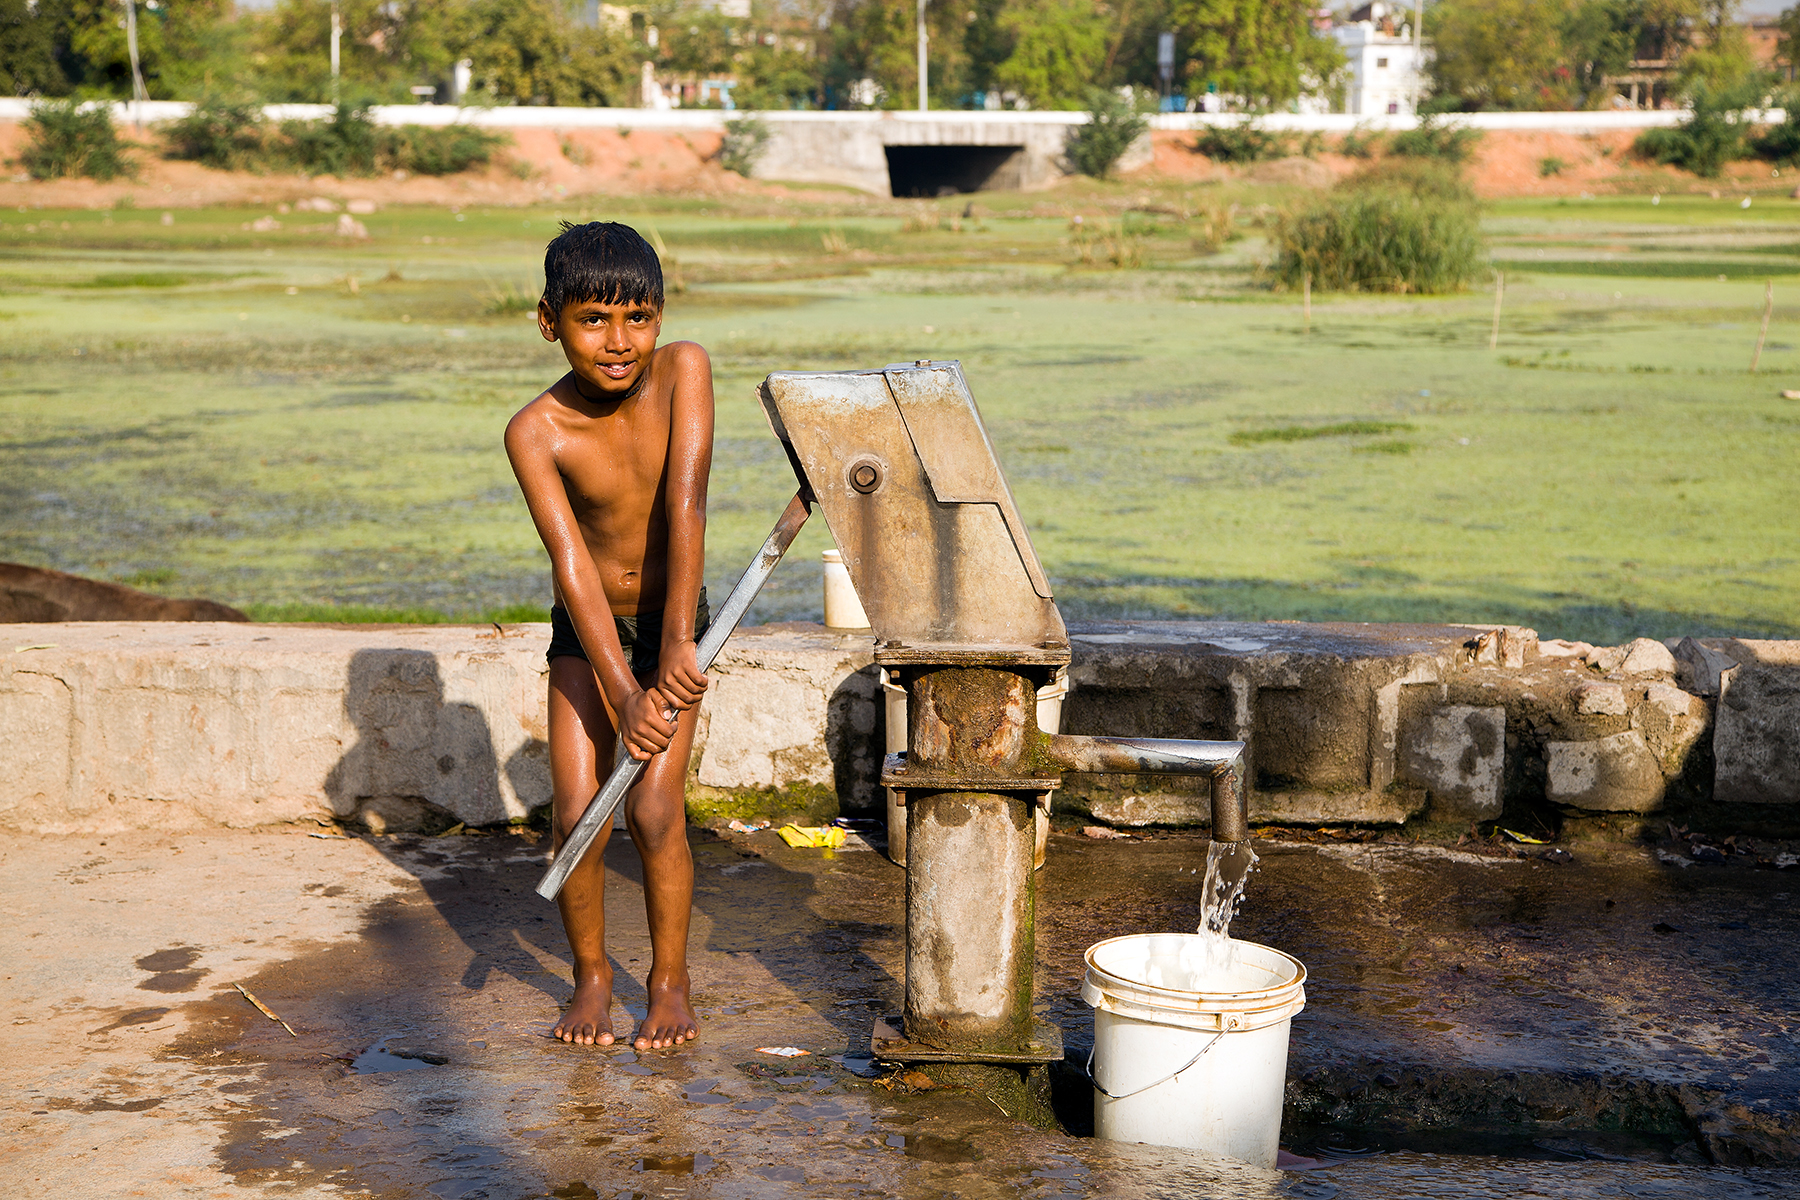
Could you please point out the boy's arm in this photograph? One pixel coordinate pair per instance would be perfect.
(678, 675)
(530, 447)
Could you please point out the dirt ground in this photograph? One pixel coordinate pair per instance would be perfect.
(1594, 1025)
(547, 165)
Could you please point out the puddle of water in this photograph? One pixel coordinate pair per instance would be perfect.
(929, 1147)
(466, 1159)
(677, 1164)
(137, 1016)
(700, 1091)
(171, 970)
(857, 1064)
(379, 1058)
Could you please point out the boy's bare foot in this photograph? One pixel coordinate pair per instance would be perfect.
(588, 1019)
(670, 1020)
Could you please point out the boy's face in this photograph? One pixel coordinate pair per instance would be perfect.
(608, 345)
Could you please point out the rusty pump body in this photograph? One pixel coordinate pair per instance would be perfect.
(962, 613)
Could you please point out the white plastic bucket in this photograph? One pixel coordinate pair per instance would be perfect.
(843, 608)
(1176, 1065)
(1049, 719)
(894, 696)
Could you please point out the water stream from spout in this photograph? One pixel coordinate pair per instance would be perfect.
(1213, 961)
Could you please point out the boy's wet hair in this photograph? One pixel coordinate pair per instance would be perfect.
(601, 262)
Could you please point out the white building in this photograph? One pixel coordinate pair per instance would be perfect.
(1386, 73)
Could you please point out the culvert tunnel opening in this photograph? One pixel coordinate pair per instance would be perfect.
(915, 171)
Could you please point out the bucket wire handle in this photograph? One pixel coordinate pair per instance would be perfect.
(1172, 1074)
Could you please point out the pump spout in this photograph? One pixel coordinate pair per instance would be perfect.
(1224, 761)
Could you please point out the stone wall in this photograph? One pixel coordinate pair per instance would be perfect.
(1380, 723)
(128, 725)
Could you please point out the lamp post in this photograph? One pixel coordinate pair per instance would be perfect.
(924, 79)
(1165, 65)
(138, 94)
(1418, 88)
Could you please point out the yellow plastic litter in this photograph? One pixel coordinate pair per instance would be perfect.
(827, 837)
(1529, 841)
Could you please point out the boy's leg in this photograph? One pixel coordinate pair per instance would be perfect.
(581, 749)
(656, 813)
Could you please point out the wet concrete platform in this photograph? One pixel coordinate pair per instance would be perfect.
(1480, 1026)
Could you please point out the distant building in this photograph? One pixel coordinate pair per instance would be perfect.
(1386, 74)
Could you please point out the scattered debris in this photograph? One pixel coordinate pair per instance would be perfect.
(825, 837)
(1784, 861)
(454, 830)
(783, 1051)
(1668, 859)
(264, 1009)
(1102, 833)
(1529, 841)
(35, 646)
(1557, 854)
(737, 826)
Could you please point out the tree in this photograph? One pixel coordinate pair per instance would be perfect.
(1113, 124)
(1718, 56)
(878, 39)
(1599, 40)
(783, 75)
(1501, 54)
(28, 40)
(1057, 51)
(1787, 43)
(1263, 50)
(522, 51)
(97, 43)
(530, 51)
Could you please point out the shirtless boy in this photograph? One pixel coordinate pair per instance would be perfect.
(613, 461)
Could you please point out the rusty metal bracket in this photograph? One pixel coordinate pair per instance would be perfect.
(897, 774)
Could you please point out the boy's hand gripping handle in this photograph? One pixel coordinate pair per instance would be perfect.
(627, 769)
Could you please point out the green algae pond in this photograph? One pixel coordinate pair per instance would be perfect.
(308, 426)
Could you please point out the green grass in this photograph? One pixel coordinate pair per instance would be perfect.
(1178, 445)
(1301, 433)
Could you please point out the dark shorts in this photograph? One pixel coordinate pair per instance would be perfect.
(641, 636)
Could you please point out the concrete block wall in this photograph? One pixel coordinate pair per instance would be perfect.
(130, 725)
(116, 725)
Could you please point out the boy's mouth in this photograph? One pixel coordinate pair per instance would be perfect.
(616, 370)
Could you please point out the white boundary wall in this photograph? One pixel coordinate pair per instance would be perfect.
(525, 117)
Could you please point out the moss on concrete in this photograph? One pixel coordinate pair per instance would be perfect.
(802, 804)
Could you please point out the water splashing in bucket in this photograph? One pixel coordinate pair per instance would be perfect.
(1211, 960)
